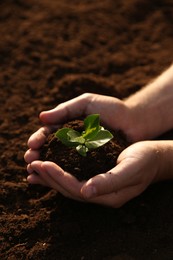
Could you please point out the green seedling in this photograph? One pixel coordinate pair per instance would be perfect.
(91, 138)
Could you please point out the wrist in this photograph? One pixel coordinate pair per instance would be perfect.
(125, 120)
(138, 122)
(165, 160)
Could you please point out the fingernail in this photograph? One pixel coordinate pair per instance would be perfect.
(89, 192)
(29, 169)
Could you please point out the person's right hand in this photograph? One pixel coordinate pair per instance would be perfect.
(113, 113)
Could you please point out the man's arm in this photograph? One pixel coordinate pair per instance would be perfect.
(152, 108)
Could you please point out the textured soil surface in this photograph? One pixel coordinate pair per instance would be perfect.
(51, 51)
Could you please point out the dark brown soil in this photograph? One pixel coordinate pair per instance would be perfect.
(51, 51)
(97, 161)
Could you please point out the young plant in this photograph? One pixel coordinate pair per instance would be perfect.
(92, 137)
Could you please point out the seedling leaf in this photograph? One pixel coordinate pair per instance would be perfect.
(92, 137)
(91, 124)
(62, 135)
(75, 137)
(102, 137)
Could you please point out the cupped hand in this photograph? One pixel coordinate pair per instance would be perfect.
(137, 167)
(113, 113)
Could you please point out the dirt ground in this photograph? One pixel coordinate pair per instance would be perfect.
(51, 51)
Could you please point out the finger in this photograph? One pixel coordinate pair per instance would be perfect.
(33, 177)
(64, 179)
(37, 168)
(37, 139)
(67, 110)
(119, 198)
(29, 169)
(120, 177)
(36, 179)
(31, 155)
(47, 179)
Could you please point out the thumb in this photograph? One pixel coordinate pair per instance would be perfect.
(67, 110)
(118, 178)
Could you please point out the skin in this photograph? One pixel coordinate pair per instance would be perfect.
(140, 116)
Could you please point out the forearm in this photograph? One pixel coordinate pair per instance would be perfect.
(151, 108)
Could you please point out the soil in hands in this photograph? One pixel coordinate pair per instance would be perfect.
(97, 161)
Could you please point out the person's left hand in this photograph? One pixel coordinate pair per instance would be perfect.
(137, 167)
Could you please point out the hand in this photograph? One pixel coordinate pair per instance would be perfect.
(113, 113)
(137, 166)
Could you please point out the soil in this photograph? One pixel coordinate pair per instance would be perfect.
(97, 161)
(50, 52)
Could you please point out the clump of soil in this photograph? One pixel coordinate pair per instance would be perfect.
(97, 161)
